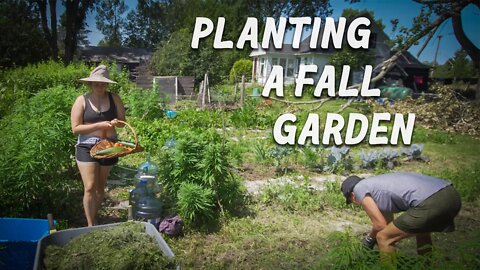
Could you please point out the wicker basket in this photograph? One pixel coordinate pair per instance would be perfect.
(106, 143)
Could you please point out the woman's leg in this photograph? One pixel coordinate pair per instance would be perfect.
(89, 173)
(104, 171)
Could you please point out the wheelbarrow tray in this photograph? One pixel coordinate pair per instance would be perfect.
(61, 238)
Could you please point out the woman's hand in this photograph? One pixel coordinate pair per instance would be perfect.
(116, 123)
(104, 125)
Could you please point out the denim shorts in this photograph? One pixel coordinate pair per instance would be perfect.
(82, 154)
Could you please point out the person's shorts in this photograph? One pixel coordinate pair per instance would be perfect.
(82, 154)
(435, 214)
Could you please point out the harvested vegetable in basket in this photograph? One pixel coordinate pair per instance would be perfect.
(109, 149)
(126, 246)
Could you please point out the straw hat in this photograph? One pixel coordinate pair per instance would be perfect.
(99, 74)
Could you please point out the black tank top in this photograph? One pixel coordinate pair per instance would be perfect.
(91, 116)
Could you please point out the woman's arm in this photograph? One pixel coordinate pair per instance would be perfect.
(76, 119)
(120, 110)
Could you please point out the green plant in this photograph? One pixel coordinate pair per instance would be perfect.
(141, 103)
(196, 203)
(332, 196)
(241, 67)
(17, 85)
(348, 253)
(36, 156)
(202, 158)
(292, 196)
(313, 157)
(262, 155)
(465, 180)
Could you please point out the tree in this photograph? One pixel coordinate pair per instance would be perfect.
(147, 25)
(241, 67)
(50, 33)
(457, 67)
(75, 13)
(176, 57)
(110, 22)
(354, 13)
(21, 41)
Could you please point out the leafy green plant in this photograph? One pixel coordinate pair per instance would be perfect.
(196, 204)
(332, 196)
(36, 155)
(313, 157)
(202, 158)
(241, 67)
(262, 155)
(141, 103)
(17, 85)
(292, 196)
(280, 156)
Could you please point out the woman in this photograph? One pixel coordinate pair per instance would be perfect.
(94, 116)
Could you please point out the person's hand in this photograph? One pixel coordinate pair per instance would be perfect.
(369, 242)
(114, 122)
(104, 125)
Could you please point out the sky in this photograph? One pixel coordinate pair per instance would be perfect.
(386, 10)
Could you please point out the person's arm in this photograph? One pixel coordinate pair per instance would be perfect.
(76, 119)
(120, 110)
(378, 219)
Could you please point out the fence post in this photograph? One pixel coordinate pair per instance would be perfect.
(204, 90)
(176, 89)
(242, 92)
(235, 86)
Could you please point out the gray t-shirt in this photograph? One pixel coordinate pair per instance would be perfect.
(396, 192)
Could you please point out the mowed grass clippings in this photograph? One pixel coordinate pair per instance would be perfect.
(126, 246)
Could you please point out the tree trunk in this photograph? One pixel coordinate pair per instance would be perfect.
(75, 11)
(53, 27)
(466, 44)
(50, 33)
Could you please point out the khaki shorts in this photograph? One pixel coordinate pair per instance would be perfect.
(435, 214)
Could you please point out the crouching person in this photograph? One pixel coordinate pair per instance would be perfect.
(428, 204)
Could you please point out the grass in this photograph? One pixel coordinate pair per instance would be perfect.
(279, 234)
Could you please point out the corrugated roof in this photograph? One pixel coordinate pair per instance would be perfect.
(120, 55)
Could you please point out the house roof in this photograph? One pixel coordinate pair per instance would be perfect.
(120, 55)
(305, 44)
(407, 60)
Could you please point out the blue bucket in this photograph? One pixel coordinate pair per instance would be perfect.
(18, 241)
(170, 113)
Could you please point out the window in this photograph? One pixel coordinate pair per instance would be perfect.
(262, 65)
(283, 63)
(290, 67)
(274, 61)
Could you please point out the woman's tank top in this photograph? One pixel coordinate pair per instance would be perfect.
(91, 116)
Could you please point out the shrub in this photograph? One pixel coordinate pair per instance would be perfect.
(196, 203)
(241, 67)
(140, 103)
(37, 146)
(22, 83)
(201, 158)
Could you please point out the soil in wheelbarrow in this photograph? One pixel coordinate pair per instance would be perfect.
(126, 246)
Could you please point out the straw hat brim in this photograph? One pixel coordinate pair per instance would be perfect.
(96, 79)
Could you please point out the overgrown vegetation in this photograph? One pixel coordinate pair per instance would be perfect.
(126, 246)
